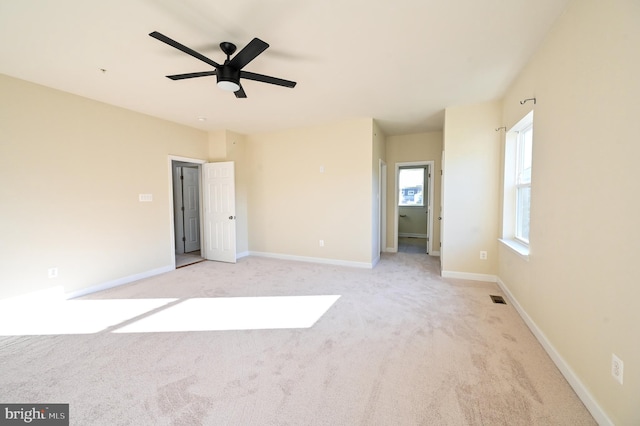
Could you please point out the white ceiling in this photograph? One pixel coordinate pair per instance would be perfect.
(399, 61)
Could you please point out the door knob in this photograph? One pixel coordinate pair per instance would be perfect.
(439, 217)
(232, 217)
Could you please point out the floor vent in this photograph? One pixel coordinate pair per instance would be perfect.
(498, 299)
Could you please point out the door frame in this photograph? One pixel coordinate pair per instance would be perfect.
(172, 238)
(430, 167)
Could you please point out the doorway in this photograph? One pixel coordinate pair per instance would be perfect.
(186, 178)
(413, 221)
(213, 233)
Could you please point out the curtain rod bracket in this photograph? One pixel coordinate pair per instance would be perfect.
(527, 100)
(501, 128)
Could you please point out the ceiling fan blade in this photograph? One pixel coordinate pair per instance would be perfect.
(163, 38)
(267, 79)
(249, 53)
(240, 93)
(191, 75)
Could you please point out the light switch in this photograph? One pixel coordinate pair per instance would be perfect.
(145, 197)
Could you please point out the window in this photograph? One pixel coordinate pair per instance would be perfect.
(411, 184)
(517, 185)
(523, 183)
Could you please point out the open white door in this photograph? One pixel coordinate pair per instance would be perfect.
(219, 211)
(191, 208)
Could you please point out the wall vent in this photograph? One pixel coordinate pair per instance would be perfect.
(498, 299)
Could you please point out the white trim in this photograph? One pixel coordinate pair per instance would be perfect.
(119, 282)
(517, 247)
(322, 260)
(434, 253)
(469, 276)
(391, 250)
(574, 381)
(431, 169)
(411, 235)
(243, 254)
(186, 159)
(441, 214)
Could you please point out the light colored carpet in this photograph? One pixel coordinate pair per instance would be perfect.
(185, 259)
(400, 346)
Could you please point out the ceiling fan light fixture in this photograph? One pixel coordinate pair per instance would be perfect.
(229, 86)
(229, 73)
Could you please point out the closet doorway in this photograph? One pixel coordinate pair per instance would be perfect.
(186, 212)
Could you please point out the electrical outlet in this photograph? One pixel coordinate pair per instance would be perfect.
(483, 255)
(52, 272)
(617, 368)
(321, 243)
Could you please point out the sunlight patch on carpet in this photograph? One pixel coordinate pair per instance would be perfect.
(235, 313)
(31, 318)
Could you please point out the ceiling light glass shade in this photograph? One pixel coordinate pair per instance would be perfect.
(229, 86)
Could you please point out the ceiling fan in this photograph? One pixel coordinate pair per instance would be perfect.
(230, 72)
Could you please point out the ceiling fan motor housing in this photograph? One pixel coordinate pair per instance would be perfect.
(228, 73)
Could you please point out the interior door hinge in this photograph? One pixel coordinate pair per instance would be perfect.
(184, 239)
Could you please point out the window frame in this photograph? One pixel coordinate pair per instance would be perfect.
(520, 183)
(424, 172)
(514, 158)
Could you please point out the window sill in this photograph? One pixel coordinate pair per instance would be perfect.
(517, 247)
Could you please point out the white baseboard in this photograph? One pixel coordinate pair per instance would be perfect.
(391, 250)
(243, 254)
(313, 259)
(435, 253)
(118, 282)
(580, 389)
(411, 235)
(469, 276)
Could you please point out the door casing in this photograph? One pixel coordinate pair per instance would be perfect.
(172, 234)
(430, 167)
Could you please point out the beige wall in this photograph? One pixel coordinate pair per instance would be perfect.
(71, 171)
(471, 190)
(293, 205)
(78, 170)
(411, 148)
(580, 286)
